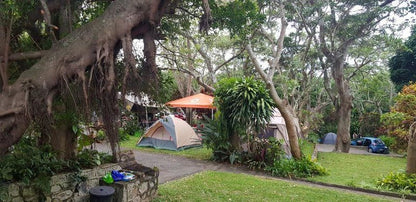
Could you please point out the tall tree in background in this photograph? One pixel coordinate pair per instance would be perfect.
(403, 64)
(340, 25)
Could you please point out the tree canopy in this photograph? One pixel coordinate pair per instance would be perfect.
(403, 64)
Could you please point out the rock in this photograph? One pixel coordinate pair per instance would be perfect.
(62, 195)
(13, 190)
(55, 188)
(17, 199)
(28, 192)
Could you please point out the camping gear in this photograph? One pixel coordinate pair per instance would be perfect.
(329, 138)
(117, 176)
(277, 128)
(170, 133)
(108, 178)
(101, 194)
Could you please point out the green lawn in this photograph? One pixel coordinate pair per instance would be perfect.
(220, 186)
(307, 148)
(344, 169)
(357, 170)
(201, 153)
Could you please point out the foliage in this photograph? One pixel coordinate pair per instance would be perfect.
(388, 141)
(263, 153)
(224, 186)
(37, 168)
(91, 158)
(247, 104)
(399, 181)
(398, 120)
(215, 139)
(240, 17)
(369, 123)
(402, 65)
(313, 137)
(34, 169)
(302, 168)
(307, 148)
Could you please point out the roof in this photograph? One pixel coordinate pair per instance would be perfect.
(194, 101)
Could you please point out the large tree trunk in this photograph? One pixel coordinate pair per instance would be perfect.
(290, 121)
(343, 108)
(283, 107)
(411, 150)
(69, 58)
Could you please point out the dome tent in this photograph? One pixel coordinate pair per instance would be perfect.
(329, 138)
(170, 133)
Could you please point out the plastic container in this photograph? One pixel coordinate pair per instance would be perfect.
(101, 194)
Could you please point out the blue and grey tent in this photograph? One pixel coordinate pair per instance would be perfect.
(170, 133)
(329, 138)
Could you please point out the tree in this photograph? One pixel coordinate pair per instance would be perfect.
(339, 25)
(88, 52)
(403, 64)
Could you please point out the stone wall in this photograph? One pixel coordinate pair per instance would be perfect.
(64, 189)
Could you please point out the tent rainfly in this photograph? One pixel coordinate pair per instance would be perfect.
(170, 133)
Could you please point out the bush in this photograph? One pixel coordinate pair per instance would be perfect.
(399, 181)
(214, 139)
(263, 152)
(30, 164)
(34, 165)
(388, 141)
(91, 158)
(296, 168)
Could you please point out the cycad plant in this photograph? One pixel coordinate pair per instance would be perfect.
(245, 106)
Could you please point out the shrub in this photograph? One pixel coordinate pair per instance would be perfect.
(30, 164)
(263, 152)
(34, 165)
(91, 158)
(399, 181)
(296, 168)
(216, 140)
(388, 141)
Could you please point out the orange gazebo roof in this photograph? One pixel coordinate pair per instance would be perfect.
(194, 101)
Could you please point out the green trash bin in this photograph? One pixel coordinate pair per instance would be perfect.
(101, 194)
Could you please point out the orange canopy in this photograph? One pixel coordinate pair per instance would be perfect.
(194, 101)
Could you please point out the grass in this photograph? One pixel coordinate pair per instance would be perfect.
(357, 170)
(201, 153)
(307, 148)
(220, 186)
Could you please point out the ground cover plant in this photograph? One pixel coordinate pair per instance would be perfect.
(34, 164)
(399, 181)
(220, 186)
(357, 170)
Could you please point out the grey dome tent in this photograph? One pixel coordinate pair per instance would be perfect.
(170, 133)
(329, 138)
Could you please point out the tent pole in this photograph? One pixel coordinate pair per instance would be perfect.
(212, 114)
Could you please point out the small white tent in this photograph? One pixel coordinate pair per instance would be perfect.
(277, 129)
(170, 133)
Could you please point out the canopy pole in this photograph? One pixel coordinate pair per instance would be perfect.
(212, 114)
